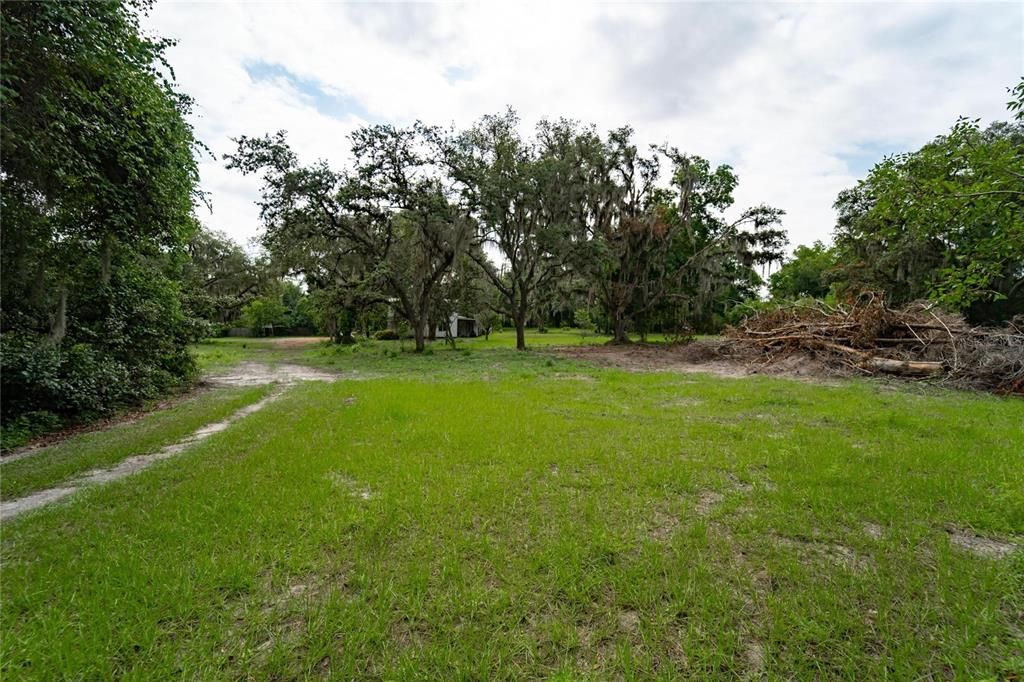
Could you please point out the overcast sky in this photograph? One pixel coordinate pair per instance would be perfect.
(800, 99)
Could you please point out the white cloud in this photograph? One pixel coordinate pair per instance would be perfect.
(798, 98)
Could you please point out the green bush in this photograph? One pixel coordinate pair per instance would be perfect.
(26, 427)
(387, 335)
(78, 380)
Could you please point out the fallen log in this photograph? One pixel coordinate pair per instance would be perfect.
(911, 367)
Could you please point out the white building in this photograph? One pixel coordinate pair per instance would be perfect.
(460, 327)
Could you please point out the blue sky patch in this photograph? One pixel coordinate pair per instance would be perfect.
(334, 105)
(863, 157)
(455, 74)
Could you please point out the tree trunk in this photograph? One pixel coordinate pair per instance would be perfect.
(520, 319)
(418, 335)
(919, 368)
(59, 325)
(620, 335)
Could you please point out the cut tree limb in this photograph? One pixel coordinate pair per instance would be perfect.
(912, 367)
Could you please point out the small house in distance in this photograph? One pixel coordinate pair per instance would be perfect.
(460, 327)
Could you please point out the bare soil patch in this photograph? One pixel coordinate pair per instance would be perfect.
(256, 373)
(297, 341)
(985, 547)
(753, 654)
(707, 356)
(706, 501)
(834, 553)
(873, 530)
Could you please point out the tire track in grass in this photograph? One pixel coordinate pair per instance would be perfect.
(130, 465)
(247, 374)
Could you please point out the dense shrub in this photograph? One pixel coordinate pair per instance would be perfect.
(77, 380)
(26, 427)
(387, 335)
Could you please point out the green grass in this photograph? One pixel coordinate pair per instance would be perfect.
(532, 518)
(81, 453)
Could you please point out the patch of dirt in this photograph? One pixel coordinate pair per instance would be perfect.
(834, 553)
(753, 655)
(706, 355)
(257, 373)
(406, 633)
(663, 526)
(594, 649)
(572, 377)
(629, 621)
(873, 530)
(694, 357)
(706, 501)
(298, 341)
(985, 547)
(350, 486)
(740, 485)
(683, 402)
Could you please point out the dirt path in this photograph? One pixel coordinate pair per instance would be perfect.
(243, 374)
(256, 373)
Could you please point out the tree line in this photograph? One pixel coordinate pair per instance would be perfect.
(425, 215)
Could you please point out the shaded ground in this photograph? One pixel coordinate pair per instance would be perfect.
(104, 424)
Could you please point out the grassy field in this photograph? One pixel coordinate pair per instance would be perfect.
(486, 514)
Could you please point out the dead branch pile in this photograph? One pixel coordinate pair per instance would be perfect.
(918, 340)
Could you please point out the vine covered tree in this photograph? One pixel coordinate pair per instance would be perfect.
(642, 244)
(98, 180)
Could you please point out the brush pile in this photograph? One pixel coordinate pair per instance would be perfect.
(918, 340)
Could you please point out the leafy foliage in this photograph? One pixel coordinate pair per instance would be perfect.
(219, 279)
(97, 181)
(945, 222)
(805, 274)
